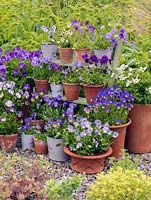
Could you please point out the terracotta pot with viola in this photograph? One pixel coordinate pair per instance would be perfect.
(87, 164)
(71, 91)
(40, 146)
(8, 142)
(80, 52)
(66, 55)
(118, 143)
(42, 85)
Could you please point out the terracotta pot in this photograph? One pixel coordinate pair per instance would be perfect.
(40, 146)
(8, 142)
(87, 164)
(66, 55)
(42, 85)
(118, 143)
(138, 137)
(37, 122)
(71, 91)
(80, 52)
(91, 91)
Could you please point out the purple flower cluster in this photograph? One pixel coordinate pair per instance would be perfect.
(55, 67)
(35, 58)
(94, 60)
(111, 105)
(2, 72)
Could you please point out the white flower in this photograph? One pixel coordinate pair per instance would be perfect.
(18, 95)
(9, 103)
(3, 119)
(149, 90)
(1, 95)
(11, 91)
(1, 85)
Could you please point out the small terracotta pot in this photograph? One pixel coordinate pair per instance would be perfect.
(91, 92)
(71, 91)
(40, 146)
(138, 137)
(80, 52)
(42, 85)
(118, 143)
(87, 164)
(66, 55)
(8, 142)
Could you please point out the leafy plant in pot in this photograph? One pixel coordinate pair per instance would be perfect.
(11, 101)
(65, 43)
(57, 113)
(112, 105)
(40, 143)
(27, 132)
(137, 61)
(41, 72)
(88, 144)
(56, 79)
(95, 75)
(71, 82)
(49, 46)
(82, 36)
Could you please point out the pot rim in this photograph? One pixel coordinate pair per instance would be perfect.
(39, 139)
(11, 135)
(67, 48)
(85, 85)
(122, 125)
(76, 84)
(82, 49)
(37, 80)
(70, 153)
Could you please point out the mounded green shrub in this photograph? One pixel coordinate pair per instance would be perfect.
(120, 184)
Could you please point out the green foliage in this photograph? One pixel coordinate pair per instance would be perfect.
(41, 136)
(62, 190)
(126, 163)
(41, 72)
(120, 184)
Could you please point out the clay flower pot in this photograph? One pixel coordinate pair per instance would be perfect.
(42, 85)
(1, 136)
(8, 142)
(71, 91)
(138, 137)
(66, 55)
(40, 146)
(87, 164)
(118, 143)
(91, 91)
(80, 52)
(37, 122)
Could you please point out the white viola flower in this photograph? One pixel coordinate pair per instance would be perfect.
(128, 83)
(1, 85)
(26, 94)
(3, 119)
(18, 95)
(9, 103)
(1, 95)
(11, 91)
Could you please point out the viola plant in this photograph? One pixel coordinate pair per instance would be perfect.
(98, 70)
(72, 74)
(15, 66)
(49, 34)
(83, 34)
(36, 105)
(88, 138)
(111, 105)
(40, 66)
(56, 72)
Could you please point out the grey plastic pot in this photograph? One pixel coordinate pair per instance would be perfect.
(49, 51)
(100, 53)
(27, 142)
(56, 89)
(55, 149)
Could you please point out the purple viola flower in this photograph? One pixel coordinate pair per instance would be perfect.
(16, 71)
(2, 69)
(79, 145)
(24, 74)
(35, 61)
(1, 50)
(104, 59)
(91, 29)
(108, 36)
(19, 113)
(122, 34)
(26, 86)
(114, 42)
(33, 115)
(113, 31)
(98, 123)
(78, 138)
(118, 121)
(87, 23)
(22, 65)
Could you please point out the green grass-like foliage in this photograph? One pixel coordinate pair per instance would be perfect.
(120, 184)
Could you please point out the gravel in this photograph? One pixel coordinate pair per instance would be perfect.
(59, 170)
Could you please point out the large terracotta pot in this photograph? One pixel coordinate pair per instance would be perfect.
(118, 143)
(71, 91)
(138, 137)
(87, 164)
(80, 52)
(1, 136)
(42, 85)
(66, 55)
(91, 91)
(8, 142)
(40, 146)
